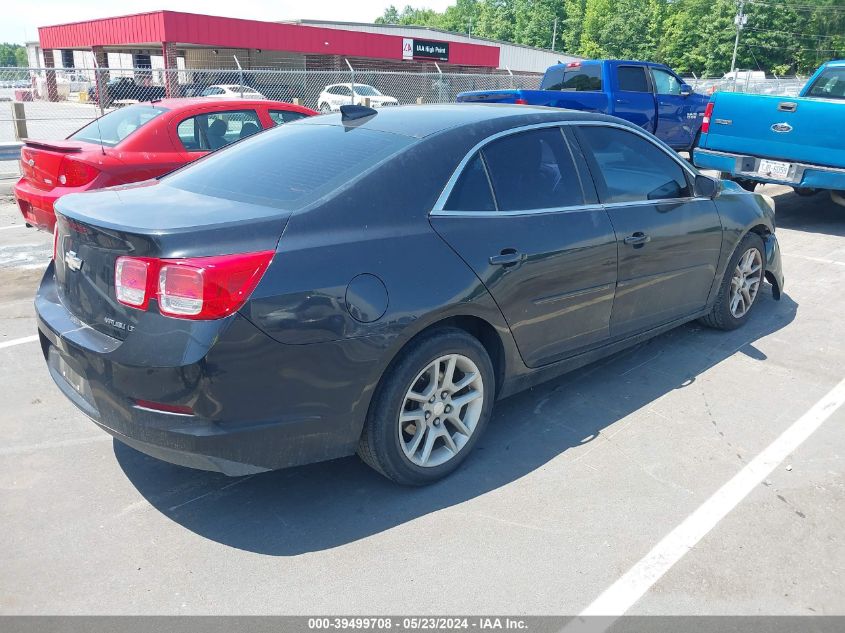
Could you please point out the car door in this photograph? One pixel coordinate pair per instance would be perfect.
(669, 239)
(634, 98)
(521, 214)
(677, 119)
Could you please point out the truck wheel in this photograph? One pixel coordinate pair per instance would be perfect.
(805, 191)
(740, 286)
(430, 409)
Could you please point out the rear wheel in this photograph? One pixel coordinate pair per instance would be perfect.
(740, 286)
(430, 409)
(325, 108)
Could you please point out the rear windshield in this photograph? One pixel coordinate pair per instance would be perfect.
(289, 166)
(112, 128)
(573, 78)
(830, 84)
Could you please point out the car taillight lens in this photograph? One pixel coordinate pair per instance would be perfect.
(191, 288)
(520, 102)
(75, 173)
(131, 284)
(705, 122)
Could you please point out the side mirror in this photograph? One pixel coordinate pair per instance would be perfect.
(707, 187)
(686, 90)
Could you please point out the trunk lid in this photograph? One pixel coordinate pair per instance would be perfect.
(41, 160)
(147, 220)
(749, 124)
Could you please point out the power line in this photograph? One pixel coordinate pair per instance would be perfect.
(793, 34)
(798, 7)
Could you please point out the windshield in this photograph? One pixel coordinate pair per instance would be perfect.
(366, 91)
(573, 78)
(112, 128)
(290, 166)
(830, 84)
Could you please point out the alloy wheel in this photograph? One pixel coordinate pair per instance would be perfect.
(745, 282)
(441, 410)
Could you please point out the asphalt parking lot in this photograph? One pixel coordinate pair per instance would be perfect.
(575, 483)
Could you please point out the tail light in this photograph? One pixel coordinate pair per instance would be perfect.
(75, 173)
(520, 102)
(191, 288)
(705, 122)
(573, 65)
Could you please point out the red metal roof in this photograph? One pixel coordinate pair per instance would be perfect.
(208, 30)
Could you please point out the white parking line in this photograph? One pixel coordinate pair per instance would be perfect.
(632, 586)
(12, 226)
(821, 260)
(18, 341)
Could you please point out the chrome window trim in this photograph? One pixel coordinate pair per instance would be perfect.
(438, 209)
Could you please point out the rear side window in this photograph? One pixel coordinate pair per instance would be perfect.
(632, 168)
(533, 170)
(633, 79)
(213, 130)
(472, 190)
(830, 84)
(111, 129)
(573, 77)
(283, 168)
(285, 116)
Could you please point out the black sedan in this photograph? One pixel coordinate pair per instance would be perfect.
(373, 282)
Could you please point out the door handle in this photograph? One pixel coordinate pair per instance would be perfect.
(637, 239)
(622, 101)
(508, 257)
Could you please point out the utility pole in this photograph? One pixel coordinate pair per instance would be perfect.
(554, 35)
(740, 20)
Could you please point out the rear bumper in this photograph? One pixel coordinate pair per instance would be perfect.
(36, 205)
(257, 404)
(802, 175)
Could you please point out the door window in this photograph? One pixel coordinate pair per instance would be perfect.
(533, 170)
(665, 83)
(630, 168)
(285, 116)
(633, 79)
(472, 190)
(213, 130)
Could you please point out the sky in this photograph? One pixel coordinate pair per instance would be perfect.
(21, 19)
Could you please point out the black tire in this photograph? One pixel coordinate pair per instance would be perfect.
(325, 108)
(805, 192)
(720, 316)
(379, 445)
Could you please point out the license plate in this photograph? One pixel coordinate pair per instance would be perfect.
(773, 169)
(72, 377)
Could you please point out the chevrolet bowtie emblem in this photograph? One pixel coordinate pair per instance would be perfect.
(73, 261)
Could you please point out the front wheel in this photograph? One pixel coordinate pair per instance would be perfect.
(430, 409)
(740, 286)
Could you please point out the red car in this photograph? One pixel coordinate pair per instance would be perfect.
(135, 143)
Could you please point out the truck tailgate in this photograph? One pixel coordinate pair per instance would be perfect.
(788, 128)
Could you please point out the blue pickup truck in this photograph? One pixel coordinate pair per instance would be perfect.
(647, 94)
(796, 141)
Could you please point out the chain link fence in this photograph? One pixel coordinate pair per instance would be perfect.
(50, 104)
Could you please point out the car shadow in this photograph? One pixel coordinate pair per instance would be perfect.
(327, 505)
(812, 214)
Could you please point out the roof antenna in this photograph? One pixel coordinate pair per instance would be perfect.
(99, 85)
(354, 112)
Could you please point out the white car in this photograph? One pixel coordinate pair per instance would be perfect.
(336, 95)
(231, 91)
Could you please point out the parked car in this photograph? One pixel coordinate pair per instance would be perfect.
(650, 95)
(336, 95)
(126, 89)
(786, 140)
(136, 143)
(231, 91)
(374, 280)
